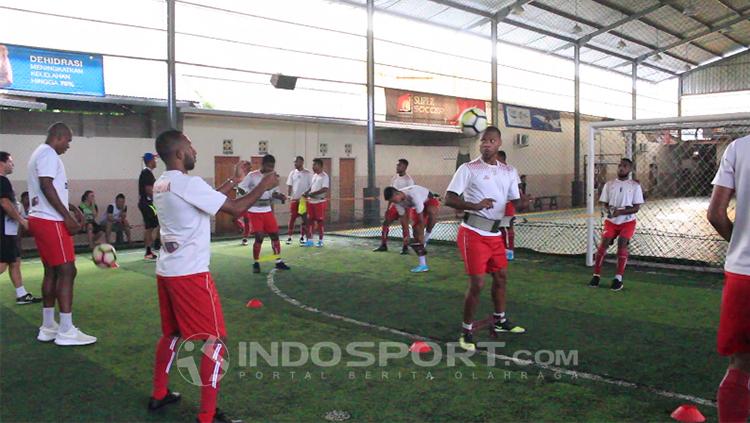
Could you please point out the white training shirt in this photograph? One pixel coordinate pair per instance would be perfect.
(734, 173)
(45, 162)
(185, 205)
(415, 197)
(300, 181)
(622, 194)
(251, 181)
(116, 213)
(401, 182)
(477, 180)
(320, 181)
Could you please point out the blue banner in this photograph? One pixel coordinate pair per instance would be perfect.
(532, 118)
(50, 71)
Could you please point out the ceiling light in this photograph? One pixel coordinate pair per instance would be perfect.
(621, 44)
(576, 29)
(657, 57)
(517, 9)
(688, 67)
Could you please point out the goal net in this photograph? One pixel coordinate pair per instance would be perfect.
(675, 160)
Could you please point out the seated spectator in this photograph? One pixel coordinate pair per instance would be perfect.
(526, 199)
(116, 219)
(89, 225)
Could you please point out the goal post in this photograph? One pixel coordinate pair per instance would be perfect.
(675, 160)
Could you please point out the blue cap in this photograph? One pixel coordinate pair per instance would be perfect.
(149, 156)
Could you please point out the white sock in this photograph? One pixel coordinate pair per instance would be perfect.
(427, 236)
(423, 260)
(499, 316)
(467, 326)
(21, 291)
(278, 260)
(66, 321)
(618, 277)
(48, 317)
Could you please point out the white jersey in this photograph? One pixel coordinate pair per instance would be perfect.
(734, 173)
(619, 195)
(45, 162)
(252, 180)
(185, 205)
(401, 182)
(415, 197)
(320, 181)
(300, 181)
(116, 213)
(477, 180)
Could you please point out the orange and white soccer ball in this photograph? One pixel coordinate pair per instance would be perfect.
(104, 256)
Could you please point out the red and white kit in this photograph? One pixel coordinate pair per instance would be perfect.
(416, 200)
(300, 181)
(398, 182)
(316, 207)
(261, 214)
(620, 195)
(510, 209)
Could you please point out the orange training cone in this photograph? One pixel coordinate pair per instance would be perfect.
(420, 347)
(255, 303)
(688, 413)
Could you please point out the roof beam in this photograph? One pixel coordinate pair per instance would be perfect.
(462, 7)
(500, 14)
(676, 6)
(730, 7)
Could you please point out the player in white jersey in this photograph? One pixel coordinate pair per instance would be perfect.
(621, 198)
(733, 179)
(423, 206)
(399, 181)
(188, 300)
(486, 185)
(261, 215)
(317, 201)
(298, 182)
(509, 233)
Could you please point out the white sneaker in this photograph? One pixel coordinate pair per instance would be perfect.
(74, 336)
(47, 334)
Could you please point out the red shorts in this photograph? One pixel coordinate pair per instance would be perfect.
(294, 209)
(391, 214)
(417, 218)
(510, 209)
(53, 241)
(481, 254)
(264, 223)
(734, 323)
(626, 230)
(317, 211)
(189, 306)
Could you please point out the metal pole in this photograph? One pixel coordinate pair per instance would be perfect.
(590, 199)
(495, 105)
(577, 196)
(171, 79)
(371, 192)
(629, 150)
(679, 96)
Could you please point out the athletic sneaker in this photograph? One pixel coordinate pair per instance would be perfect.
(594, 283)
(256, 267)
(27, 299)
(404, 250)
(302, 241)
(308, 243)
(150, 257)
(171, 397)
(282, 266)
(220, 417)
(507, 326)
(244, 242)
(289, 241)
(466, 341)
(157, 244)
(421, 268)
(47, 334)
(72, 337)
(381, 248)
(509, 254)
(319, 244)
(617, 285)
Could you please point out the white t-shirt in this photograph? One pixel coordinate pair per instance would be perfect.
(401, 182)
(415, 197)
(116, 213)
(619, 195)
(249, 183)
(477, 180)
(45, 162)
(319, 181)
(734, 173)
(300, 181)
(185, 205)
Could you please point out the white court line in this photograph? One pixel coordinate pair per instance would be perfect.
(573, 373)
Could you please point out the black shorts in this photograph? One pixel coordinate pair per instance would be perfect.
(9, 251)
(150, 220)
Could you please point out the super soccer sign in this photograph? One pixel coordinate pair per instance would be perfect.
(416, 107)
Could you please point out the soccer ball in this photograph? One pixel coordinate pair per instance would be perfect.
(104, 256)
(473, 121)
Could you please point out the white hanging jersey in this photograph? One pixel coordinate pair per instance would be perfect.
(622, 194)
(320, 181)
(300, 181)
(185, 204)
(477, 180)
(263, 205)
(416, 196)
(401, 182)
(734, 173)
(45, 162)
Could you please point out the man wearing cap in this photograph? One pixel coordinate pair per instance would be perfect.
(146, 205)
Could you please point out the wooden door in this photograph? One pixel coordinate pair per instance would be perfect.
(346, 190)
(223, 170)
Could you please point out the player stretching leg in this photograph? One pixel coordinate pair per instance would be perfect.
(188, 300)
(622, 198)
(399, 181)
(734, 323)
(424, 207)
(486, 186)
(262, 218)
(509, 234)
(298, 183)
(316, 204)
